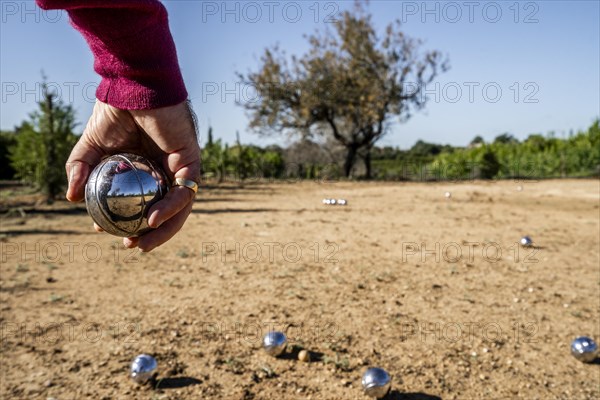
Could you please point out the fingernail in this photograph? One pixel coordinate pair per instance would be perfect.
(71, 172)
(71, 169)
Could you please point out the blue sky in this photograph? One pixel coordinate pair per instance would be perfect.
(520, 67)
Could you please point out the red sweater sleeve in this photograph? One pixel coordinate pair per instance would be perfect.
(133, 50)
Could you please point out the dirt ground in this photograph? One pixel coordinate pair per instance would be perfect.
(435, 290)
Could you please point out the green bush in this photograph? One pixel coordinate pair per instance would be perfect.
(536, 157)
(42, 146)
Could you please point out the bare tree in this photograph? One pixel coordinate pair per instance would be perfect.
(350, 85)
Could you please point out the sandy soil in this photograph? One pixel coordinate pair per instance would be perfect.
(437, 291)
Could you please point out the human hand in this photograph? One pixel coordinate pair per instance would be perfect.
(165, 135)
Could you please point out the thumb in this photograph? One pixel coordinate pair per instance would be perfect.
(83, 158)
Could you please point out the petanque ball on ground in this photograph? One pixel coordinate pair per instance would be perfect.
(584, 349)
(121, 190)
(342, 202)
(274, 343)
(143, 368)
(448, 195)
(526, 241)
(376, 382)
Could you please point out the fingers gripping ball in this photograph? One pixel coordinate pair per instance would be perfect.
(121, 190)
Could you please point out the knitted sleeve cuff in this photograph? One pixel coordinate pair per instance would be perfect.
(133, 49)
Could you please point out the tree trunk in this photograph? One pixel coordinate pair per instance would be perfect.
(367, 160)
(50, 189)
(221, 171)
(349, 163)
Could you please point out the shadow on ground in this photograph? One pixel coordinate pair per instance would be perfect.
(215, 200)
(25, 211)
(236, 211)
(177, 382)
(10, 233)
(257, 187)
(397, 395)
(292, 354)
(57, 211)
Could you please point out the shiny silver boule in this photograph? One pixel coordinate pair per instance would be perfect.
(274, 343)
(342, 202)
(584, 349)
(325, 201)
(120, 191)
(143, 369)
(448, 195)
(376, 382)
(526, 241)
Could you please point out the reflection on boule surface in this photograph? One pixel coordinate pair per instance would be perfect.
(120, 191)
(274, 343)
(143, 368)
(376, 382)
(584, 349)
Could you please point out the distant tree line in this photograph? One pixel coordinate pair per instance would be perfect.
(536, 157)
(35, 153)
